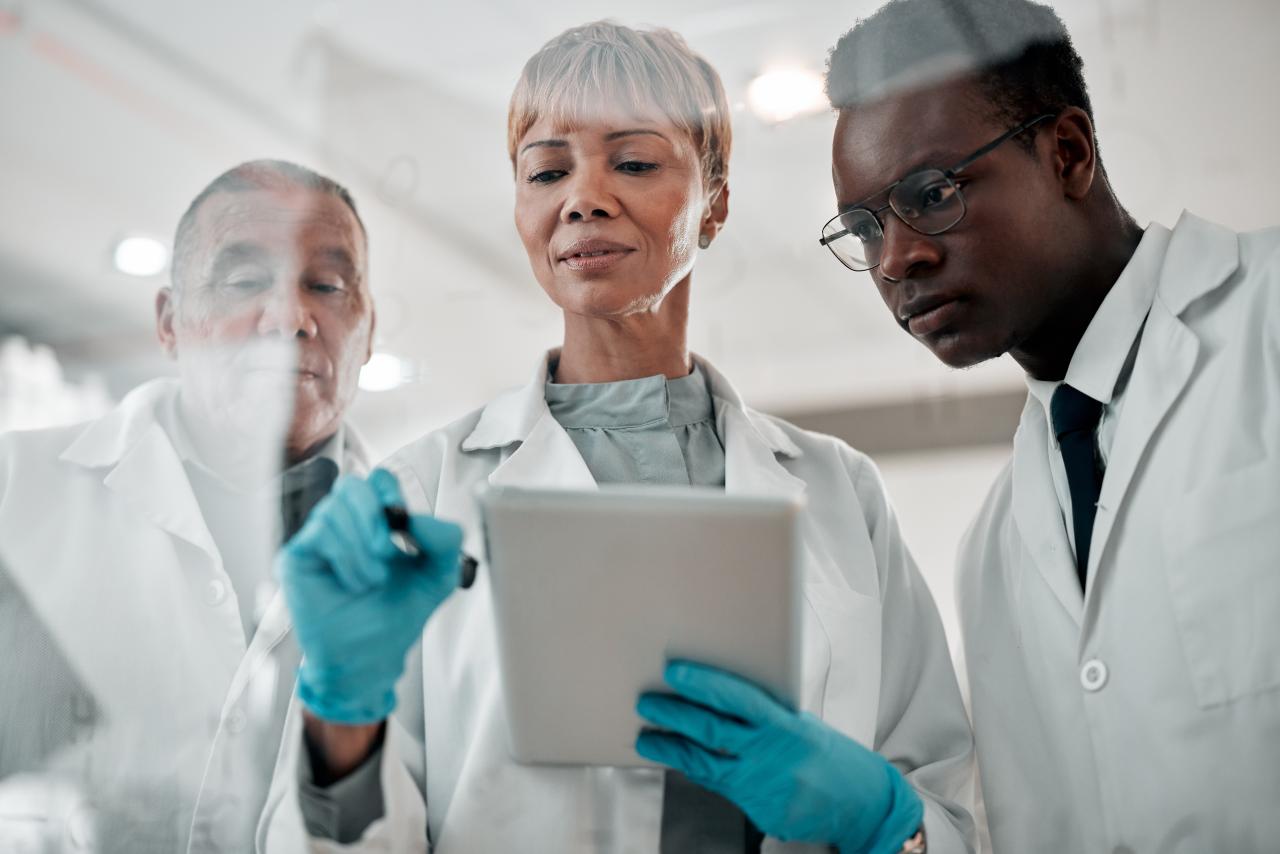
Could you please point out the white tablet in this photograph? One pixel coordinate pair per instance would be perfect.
(594, 591)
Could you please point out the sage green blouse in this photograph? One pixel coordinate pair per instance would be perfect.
(650, 430)
(660, 431)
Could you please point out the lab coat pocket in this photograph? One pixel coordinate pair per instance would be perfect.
(1223, 565)
(846, 693)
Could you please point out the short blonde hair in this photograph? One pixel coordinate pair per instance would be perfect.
(604, 62)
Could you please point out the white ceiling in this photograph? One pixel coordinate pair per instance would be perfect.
(116, 112)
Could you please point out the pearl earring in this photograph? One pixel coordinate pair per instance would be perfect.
(703, 241)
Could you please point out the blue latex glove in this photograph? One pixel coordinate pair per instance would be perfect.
(358, 604)
(795, 777)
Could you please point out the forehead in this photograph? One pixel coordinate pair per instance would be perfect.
(287, 220)
(598, 122)
(876, 143)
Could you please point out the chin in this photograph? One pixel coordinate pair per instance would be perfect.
(602, 299)
(956, 350)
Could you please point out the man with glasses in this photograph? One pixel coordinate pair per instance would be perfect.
(1119, 591)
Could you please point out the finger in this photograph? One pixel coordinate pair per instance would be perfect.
(723, 692)
(703, 766)
(364, 504)
(306, 550)
(696, 723)
(386, 486)
(442, 540)
(363, 566)
(299, 558)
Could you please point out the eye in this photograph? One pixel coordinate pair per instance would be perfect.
(325, 287)
(865, 232)
(636, 167)
(936, 194)
(246, 284)
(546, 176)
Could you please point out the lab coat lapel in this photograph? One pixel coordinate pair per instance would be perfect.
(276, 621)
(546, 458)
(150, 478)
(1200, 257)
(752, 444)
(751, 464)
(1037, 514)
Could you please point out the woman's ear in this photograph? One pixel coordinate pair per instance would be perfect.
(717, 210)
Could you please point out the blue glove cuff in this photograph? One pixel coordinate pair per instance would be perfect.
(341, 710)
(904, 818)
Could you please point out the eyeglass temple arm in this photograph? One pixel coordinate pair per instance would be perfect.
(996, 143)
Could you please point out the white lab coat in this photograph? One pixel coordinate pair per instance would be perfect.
(866, 605)
(101, 535)
(1145, 716)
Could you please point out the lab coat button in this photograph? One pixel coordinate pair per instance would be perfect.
(1093, 675)
(236, 721)
(216, 594)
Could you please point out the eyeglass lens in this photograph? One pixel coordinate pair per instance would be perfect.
(927, 201)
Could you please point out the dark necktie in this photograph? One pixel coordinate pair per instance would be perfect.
(1075, 418)
(301, 488)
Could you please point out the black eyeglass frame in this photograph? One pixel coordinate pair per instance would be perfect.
(949, 174)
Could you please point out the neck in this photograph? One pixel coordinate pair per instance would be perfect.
(641, 344)
(245, 458)
(297, 451)
(1046, 354)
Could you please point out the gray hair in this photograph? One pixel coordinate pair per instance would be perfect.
(248, 177)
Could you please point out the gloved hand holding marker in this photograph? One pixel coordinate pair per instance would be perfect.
(361, 579)
(402, 538)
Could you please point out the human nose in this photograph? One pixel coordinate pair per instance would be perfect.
(589, 196)
(905, 252)
(285, 314)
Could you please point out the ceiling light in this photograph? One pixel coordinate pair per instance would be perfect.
(140, 256)
(384, 372)
(780, 94)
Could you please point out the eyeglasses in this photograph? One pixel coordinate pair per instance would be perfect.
(927, 201)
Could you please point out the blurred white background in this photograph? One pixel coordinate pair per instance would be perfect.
(116, 112)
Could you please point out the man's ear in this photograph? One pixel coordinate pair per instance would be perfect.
(717, 210)
(1074, 154)
(165, 307)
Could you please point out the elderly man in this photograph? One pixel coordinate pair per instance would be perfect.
(1118, 589)
(148, 665)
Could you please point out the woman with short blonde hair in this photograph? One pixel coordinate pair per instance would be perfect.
(619, 140)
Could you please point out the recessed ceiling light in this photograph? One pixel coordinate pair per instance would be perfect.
(783, 93)
(140, 256)
(384, 372)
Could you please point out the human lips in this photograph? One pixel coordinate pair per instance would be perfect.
(929, 313)
(593, 254)
(303, 373)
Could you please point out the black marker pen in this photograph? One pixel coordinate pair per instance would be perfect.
(404, 541)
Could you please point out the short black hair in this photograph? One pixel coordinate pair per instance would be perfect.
(1019, 52)
(248, 177)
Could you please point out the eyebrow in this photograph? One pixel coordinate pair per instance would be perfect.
(246, 252)
(545, 143)
(337, 255)
(928, 161)
(619, 134)
(609, 137)
(235, 253)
